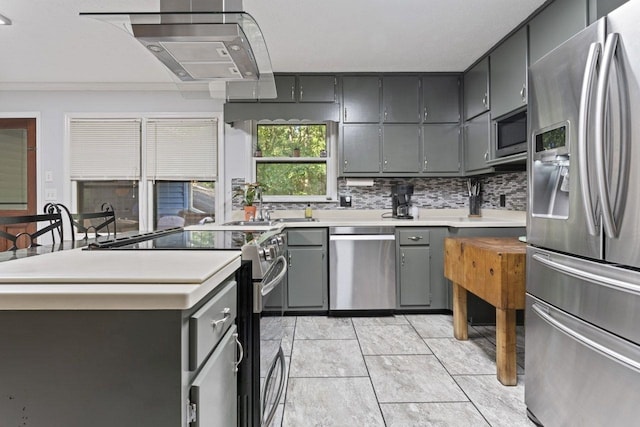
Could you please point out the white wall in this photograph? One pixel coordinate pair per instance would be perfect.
(50, 108)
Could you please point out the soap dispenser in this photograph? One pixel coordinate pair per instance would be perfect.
(307, 211)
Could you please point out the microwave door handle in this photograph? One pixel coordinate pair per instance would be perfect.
(600, 113)
(583, 125)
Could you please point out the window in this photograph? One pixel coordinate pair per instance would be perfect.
(156, 173)
(293, 162)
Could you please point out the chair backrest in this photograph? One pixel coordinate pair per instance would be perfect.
(85, 222)
(15, 229)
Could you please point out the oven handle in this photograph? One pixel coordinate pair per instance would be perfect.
(272, 411)
(266, 288)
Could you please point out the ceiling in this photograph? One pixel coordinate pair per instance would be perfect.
(49, 45)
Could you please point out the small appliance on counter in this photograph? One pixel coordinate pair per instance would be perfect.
(401, 200)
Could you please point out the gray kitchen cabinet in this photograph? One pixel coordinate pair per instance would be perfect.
(476, 140)
(600, 8)
(401, 148)
(285, 88)
(420, 273)
(508, 75)
(401, 99)
(307, 278)
(316, 88)
(476, 89)
(441, 99)
(360, 148)
(441, 148)
(558, 22)
(360, 99)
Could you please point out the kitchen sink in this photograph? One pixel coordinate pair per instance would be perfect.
(296, 220)
(251, 223)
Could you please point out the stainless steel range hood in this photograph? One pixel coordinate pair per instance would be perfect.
(207, 46)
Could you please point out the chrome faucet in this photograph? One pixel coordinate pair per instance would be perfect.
(260, 214)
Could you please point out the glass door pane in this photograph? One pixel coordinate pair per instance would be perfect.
(13, 169)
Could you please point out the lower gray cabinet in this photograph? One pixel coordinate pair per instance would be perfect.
(414, 270)
(307, 280)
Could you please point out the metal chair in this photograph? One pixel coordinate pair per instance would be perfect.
(17, 228)
(86, 222)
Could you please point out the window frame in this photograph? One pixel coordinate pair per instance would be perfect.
(330, 160)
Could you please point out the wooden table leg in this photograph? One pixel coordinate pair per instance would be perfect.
(460, 329)
(506, 346)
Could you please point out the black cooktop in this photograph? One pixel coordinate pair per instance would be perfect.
(179, 239)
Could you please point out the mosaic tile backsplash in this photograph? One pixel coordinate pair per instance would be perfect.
(434, 193)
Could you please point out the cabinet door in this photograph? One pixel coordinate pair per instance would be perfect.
(401, 148)
(214, 390)
(360, 148)
(400, 99)
(441, 148)
(476, 89)
(509, 74)
(476, 143)
(317, 89)
(361, 99)
(414, 276)
(307, 280)
(555, 25)
(286, 89)
(441, 99)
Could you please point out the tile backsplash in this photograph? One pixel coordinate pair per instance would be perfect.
(438, 193)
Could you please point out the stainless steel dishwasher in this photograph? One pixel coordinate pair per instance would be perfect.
(362, 268)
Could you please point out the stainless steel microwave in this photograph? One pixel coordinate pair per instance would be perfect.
(511, 135)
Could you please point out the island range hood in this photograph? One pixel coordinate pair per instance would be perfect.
(209, 46)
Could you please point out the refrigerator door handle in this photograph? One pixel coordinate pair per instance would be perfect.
(583, 274)
(587, 342)
(601, 101)
(583, 126)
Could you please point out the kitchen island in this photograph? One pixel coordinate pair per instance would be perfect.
(106, 338)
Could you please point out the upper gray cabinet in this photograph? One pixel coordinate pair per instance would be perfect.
(401, 148)
(509, 74)
(312, 88)
(286, 89)
(476, 89)
(441, 148)
(441, 99)
(600, 8)
(476, 144)
(557, 23)
(360, 149)
(360, 99)
(400, 99)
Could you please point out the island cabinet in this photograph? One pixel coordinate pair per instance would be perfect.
(307, 278)
(361, 99)
(476, 89)
(420, 279)
(509, 75)
(401, 99)
(130, 368)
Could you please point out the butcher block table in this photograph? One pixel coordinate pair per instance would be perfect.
(493, 268)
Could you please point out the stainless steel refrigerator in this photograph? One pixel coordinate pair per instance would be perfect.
(582, 359)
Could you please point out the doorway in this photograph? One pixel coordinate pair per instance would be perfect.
(18, 190)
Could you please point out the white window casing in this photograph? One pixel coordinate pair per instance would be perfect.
(105, 149)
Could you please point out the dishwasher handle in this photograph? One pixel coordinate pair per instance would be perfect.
(353, 237)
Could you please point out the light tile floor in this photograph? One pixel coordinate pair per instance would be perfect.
(395, 371)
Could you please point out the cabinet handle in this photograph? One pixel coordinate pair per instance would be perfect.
(425, 163)
(484, 101)
(345, 114)
(415, 238)
(385, 114)
(226, 314)
(426, 113)
(301, 92)
(523, 93)
(293, 92)
(290, 265)
(241, 350)
(402, 260)
(486, 156)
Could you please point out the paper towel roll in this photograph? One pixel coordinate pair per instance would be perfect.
(351, 182)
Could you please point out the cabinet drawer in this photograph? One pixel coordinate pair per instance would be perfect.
(306, 237)
(413, 236)
(209, 323)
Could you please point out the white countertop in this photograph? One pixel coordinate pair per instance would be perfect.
(457, 218)
(108, 280)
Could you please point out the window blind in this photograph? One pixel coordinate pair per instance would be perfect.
(105, 149)
(182, 149)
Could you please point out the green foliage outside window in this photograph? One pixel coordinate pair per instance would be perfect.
(306, 176)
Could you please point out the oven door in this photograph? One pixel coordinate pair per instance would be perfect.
(270, 302)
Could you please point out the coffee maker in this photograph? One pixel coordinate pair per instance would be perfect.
(401, 200)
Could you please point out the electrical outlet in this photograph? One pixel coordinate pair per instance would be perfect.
(48, 176)
(345, 201)
(503, 200)
(50, 194)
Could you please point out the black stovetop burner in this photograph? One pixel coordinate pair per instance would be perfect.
(178, 239)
